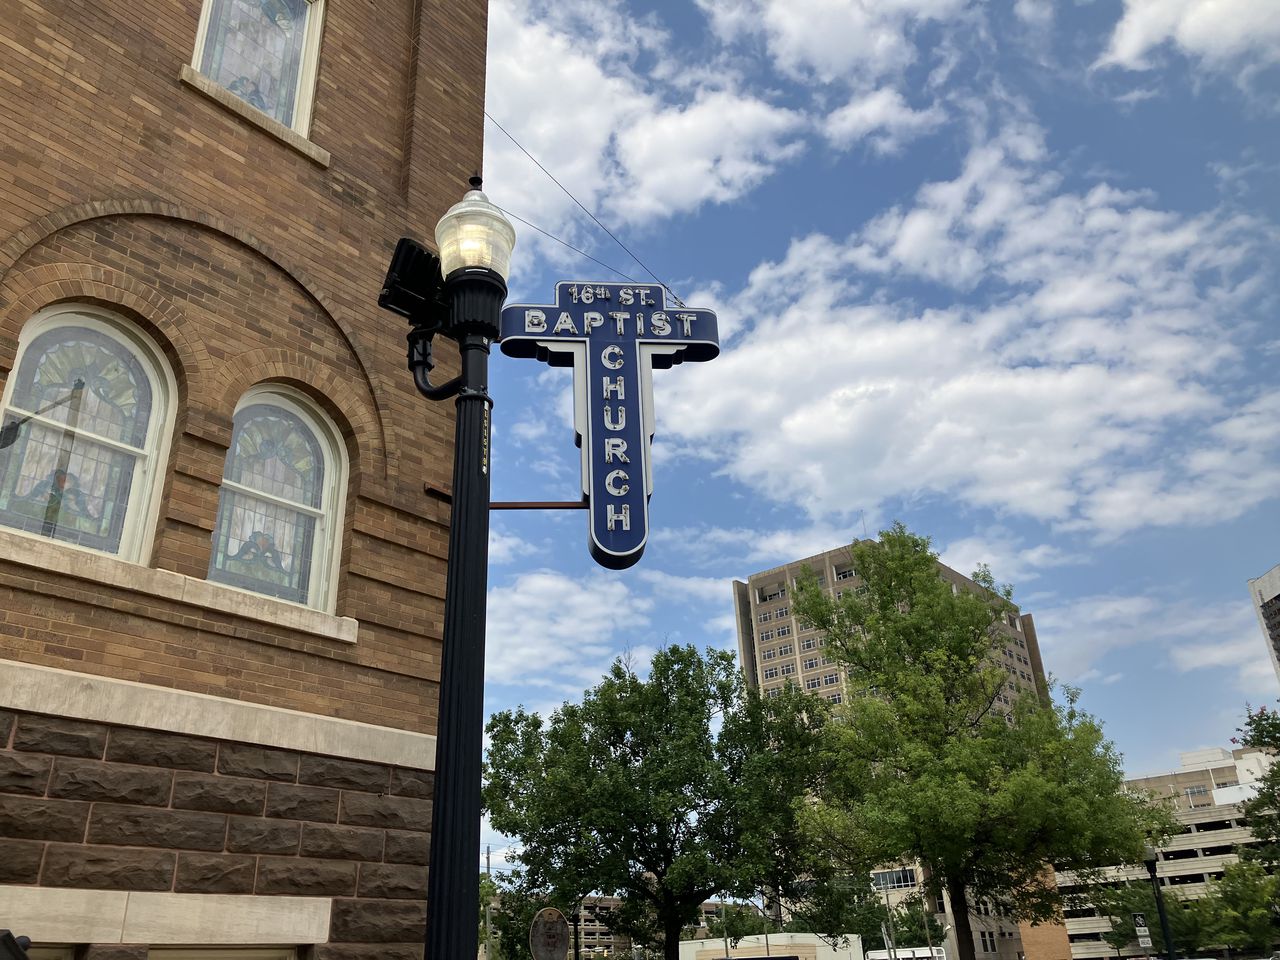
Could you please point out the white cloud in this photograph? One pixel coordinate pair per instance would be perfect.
(884, 117)
(631, 143)
(713, 590)
(1078, 636)
(747, 550)
(546, 629)
(1232, 36)
(827, 40)
(1008, 559)
(1037, 14)
(1081, 373)
(506, 547)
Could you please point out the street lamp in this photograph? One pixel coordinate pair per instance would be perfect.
(1149, 858)
(458, 295)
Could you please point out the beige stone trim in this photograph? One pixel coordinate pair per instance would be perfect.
(229, 101)
(112, 916)
(42, 554)
(64, 693)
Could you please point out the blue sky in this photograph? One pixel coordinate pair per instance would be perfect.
(1005, 271)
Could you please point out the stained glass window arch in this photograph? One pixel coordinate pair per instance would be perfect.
(84, 434)
(280, 504)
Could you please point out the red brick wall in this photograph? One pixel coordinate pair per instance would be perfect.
(248, 262)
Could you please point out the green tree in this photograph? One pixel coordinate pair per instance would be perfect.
(832, 906)
(1189, 920)
(738, 922)
(1245, 907)
(664, 791)
(518, 901)
(1262, 811)
(915, 924)
(923, 765)
(488, 899)
(840, 906)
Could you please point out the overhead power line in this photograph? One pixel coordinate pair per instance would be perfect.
(584, 209)
(552, 236)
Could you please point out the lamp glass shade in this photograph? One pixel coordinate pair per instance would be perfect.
(474, 233)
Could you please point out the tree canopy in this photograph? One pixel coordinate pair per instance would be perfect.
(1189, 920)
(1262, 811)
(663, 790)
(922, 763)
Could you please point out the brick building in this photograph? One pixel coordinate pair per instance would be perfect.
(223, 508)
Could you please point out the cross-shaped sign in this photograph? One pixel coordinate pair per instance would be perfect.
(613, 335)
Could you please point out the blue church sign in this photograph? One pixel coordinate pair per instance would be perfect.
(613, 335)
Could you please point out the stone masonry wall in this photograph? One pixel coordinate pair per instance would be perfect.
(105, 807)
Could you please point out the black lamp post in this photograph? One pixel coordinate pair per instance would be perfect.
(458, 295)
(1149, 858)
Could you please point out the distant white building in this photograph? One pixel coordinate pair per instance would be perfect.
(1206, 791)
(806, 946)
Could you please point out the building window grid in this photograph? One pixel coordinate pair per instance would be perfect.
(84, 461)
(280, 504)
(902, 878)
(264, 54)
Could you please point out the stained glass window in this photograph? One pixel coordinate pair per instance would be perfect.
(259, 50)
(77, 431)
(272, 525)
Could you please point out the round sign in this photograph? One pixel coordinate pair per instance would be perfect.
(549, 935)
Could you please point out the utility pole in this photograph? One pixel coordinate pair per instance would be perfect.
(488, 909)
(888, 913)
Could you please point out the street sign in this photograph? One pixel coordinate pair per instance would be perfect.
(1141, 931)
(613, 335)
(549, 935)
(1144, 941)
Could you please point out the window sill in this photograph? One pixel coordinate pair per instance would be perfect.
(229, 101)
(59, 558)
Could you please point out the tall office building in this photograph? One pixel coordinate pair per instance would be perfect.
(1265, 592)
(221, 583)
(775, 648)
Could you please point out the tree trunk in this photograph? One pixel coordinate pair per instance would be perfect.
(671, 927)
(960, 918)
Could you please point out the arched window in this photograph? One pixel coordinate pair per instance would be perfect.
(87, 417)
(280, 508)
